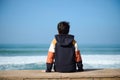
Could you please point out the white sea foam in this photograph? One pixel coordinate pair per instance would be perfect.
(101, 59)
(22, 59)
(38, 62)
(87, 59)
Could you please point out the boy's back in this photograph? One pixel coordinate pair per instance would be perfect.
(64, 54)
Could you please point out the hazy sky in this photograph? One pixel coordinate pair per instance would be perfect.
(35, 21)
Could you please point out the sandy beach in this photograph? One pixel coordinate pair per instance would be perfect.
(90, 74)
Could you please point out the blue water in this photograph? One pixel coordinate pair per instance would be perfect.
(27, 57)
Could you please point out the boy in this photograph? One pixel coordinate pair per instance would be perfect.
(63, 52)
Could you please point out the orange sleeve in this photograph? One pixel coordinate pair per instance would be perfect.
(50, 57)
(78, 56)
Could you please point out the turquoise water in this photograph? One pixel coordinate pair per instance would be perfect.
(22, 57)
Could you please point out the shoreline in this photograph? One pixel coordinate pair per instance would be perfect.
(88, 74)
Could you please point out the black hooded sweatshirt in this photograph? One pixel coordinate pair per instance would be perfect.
(64, 54)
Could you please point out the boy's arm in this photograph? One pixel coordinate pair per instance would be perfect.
(49, 62)
(50, 57)
(78, 58)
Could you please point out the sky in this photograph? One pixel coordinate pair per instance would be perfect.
(35, 21)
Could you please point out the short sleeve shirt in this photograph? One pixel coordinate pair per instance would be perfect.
(52, 46)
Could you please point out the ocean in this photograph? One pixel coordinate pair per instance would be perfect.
(33, 57)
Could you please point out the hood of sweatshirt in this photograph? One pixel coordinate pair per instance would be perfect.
(64, 40)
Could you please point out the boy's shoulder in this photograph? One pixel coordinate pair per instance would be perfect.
(54, 41)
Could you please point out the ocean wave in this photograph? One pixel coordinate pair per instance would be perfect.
(22, 50)
(36, 51)
(89, 59)
(39, 62)
(22, 59)
(101, 59)
(31, 66)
